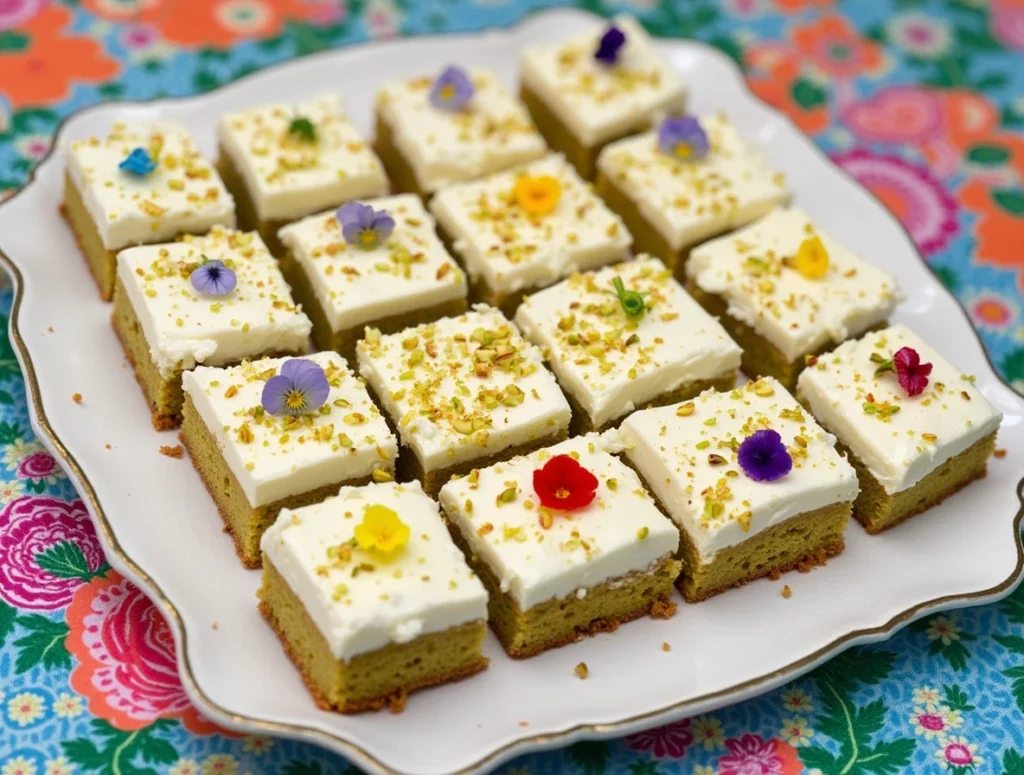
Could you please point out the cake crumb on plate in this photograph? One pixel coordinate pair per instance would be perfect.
(582, 671)
(176, 451)
(786, 591)
(663, 609)
(76, 397)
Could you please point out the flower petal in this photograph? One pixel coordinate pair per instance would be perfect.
(274, 394)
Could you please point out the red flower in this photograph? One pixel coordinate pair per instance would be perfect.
(667, 742)
(564, 484)
(912, 374)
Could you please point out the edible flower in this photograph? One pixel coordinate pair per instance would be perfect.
(563, 484)
(632, 301)
(538, 195)
(302, 129)
(213, 278)
(363, 227)
(683, 138)
(763, 457)
(812, 258)
(452, 89)
(906, 363)
(138, 163)
(609, 45)
(381, 531)
(300, 387)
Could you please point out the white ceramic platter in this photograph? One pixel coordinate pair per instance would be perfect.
(160, 528)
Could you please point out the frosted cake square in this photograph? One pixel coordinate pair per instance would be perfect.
(216, 300)
(787, 291)
(755, 485)
(139, 185)
(567, 542)
(391, 274)
(521, 230)
(463, 392)
(370, 598)
(257, 460)
(625, 337)
(915, 427)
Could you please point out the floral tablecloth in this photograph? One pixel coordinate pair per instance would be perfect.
(919, 100)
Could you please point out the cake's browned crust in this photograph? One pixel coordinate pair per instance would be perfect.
(100, 261)
(245, 208)
(400, 173)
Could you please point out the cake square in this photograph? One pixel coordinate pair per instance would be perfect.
(597, 87)
(521, 230)
(370, 597)
(755, 485)
(914, 425)
(138, 186)
(611, 358)
(786, 290)
(169, 320)
(463, 392)
(671, 204)
(255, 463)
(284, 162)
(558, 568)
(460, 125)
(399, 280)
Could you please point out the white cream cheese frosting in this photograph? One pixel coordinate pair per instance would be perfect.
(362, 601)
(183, 194)
(410, 271)
(611, 363)
(687, 453)
(277, 457)
(511, 249)
(463, 388)
(898, 437)
(288, 177)
(497, 512)
(184, 326)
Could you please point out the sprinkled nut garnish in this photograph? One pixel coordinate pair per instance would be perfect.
(613, 484)
(810, 360)
(685, 410)
(380, 475)
(581, 671)
(442, 271)
(965, 395)
(716, 460)
(245, 435)
(763, 389)
(632, 301)
(563, 484)
(545, 518)
(763, 457)
(881, 410)
(683, 138)
(930, 437)
(354, 418)
(175, 451)
(484, 529)
(703, 444)
(665, 646)
(300, 388)
(643, 532)
(452, 90)
(381, 531)
(231, 392)
(800, 441)
(508, 495)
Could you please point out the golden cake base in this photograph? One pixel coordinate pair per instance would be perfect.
(376, 679)
(561, 621)
(102, 263)
(245, 523)
(344, 341)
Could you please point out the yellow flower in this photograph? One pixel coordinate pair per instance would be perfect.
(381, 530)
(812, 258)
(538, 195)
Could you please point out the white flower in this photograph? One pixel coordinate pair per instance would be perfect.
(220, 764)
(958, 753)
(33, 147)
(59, 766)
(920, 34)
(928, 697)
(953, 718)
(184, 767)
(258, 744)
(17, 451)
(24, 708)
(707, 731)
(67, 705)
(19, 765)
(11, 490)
(797, 700)
(795, 732)
(943, 629)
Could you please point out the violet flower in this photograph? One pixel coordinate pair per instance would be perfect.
(452, 89)
(682, 137)
(763, 457)
(609, 45)
(363, 227)
(213, 278)
(300, 387)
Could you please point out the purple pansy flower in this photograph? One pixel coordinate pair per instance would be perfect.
(763, 457)
(213, 278)
(362, 226)
(682, 137)
(609, 45)
(138, 163)
(300, 387)
(452, 89)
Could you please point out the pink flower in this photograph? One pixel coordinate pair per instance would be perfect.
(31, 525)
(912, 374)
(753, 755)
(14, 13)
(932, 722)
(38, 466)
(139, 37)
(897, 114)
(920, 202)
(127, 668)
(1006, 19)
(667, 742)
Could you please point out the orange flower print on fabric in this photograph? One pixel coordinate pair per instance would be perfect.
(217, 23)
(999, 227)
(836, 48)
(773, 74)
(127, 669)
(47, 69)
(799, 6)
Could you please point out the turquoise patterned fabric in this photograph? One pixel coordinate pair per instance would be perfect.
(920, 100)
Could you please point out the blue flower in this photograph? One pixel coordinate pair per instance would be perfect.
(363, 227)
(138, 163)
(452, 89)
(609, 45)
(682, 137)
(300, 387)
(763, 457)
(213, 278)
